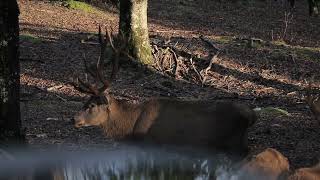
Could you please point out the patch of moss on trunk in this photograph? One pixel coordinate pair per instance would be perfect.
(133, 24)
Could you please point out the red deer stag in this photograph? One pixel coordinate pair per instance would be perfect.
(215, 124)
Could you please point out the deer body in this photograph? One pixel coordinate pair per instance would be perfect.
(311, 173)
(270, 164)
(173, 121)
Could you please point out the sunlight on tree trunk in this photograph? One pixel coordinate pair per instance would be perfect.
(133, 24)
(10, 122)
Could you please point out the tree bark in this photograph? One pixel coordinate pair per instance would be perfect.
(10, 123)
(314, 7)
(133, 25)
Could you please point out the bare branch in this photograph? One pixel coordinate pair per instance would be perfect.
(210, 43)
(195, 70)
(213, 59)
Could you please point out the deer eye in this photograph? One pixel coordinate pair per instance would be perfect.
(92, 105)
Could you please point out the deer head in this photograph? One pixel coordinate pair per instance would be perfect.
(95, 111)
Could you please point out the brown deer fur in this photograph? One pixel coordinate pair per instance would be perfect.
(173, 121)
(312, 173)
(267, 165)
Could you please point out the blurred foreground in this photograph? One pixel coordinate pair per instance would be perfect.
(126, 162)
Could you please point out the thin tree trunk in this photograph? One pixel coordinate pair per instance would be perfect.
(133, 25)
(10, 123)
(314, 6)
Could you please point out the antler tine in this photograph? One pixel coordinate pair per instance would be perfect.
(92, 89)
(85, 87)
(87, 67)
(103, 43)
(110, 40)
(100, 37)
(115, 61)
(80, 88)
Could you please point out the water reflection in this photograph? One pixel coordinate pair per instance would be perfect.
(127, 162)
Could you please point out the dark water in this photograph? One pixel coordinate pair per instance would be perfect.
(127, 162)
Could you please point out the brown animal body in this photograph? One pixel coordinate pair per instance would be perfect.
(173, 121)
(163, 120)
(312, 173)
(267, 165)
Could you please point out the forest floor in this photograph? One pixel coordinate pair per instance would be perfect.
(270, 71)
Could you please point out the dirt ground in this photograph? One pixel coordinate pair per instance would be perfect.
(261, 74)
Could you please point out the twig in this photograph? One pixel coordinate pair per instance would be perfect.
(165, 56)
(175, 58)
(156, 56)
(287, 19)
(213, 59)
(61, 98)
(195, 70)
(182, 53)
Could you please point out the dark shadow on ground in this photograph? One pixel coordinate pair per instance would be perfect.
(258, 19)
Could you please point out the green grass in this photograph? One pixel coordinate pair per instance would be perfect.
(71, 4)
(280, 49)
(279, 43)
(307, 53)
(223, 39)
(30, 38)
(272, 111)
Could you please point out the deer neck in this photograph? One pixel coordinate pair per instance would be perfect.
(122, 117)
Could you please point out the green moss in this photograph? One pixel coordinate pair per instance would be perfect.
(71, 4)
(307, 49)
(141, 46)
(279, 43)
(30, 38)
(223, 39)
(273, 111)
(307, 53)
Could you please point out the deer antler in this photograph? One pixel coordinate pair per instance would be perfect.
(86, 87)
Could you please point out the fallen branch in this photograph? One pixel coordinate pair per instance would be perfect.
(213, 59)
(156, 56)
(195, 70)
(175, 58)
(210, 43)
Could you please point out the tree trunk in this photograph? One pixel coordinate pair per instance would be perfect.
(10, 123)
(133, 25)
(314, 6)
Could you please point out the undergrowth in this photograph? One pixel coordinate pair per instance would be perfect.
(72, 4)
